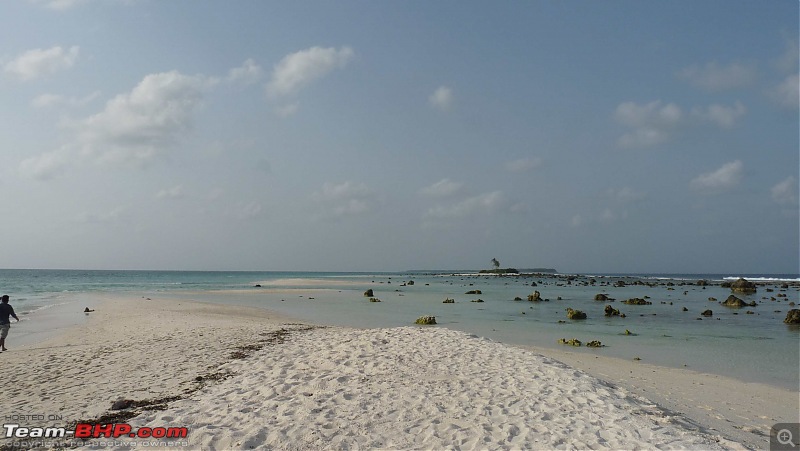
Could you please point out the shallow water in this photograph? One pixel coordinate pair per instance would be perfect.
(755, 348)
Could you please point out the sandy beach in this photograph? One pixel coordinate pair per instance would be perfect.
(245, 378)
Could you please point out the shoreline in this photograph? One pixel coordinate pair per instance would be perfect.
(124, 350)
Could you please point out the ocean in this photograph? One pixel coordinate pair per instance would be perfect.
(751, 347)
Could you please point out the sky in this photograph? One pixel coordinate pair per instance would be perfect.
(585, 136)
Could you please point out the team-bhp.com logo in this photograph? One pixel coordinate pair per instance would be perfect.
(164, 436)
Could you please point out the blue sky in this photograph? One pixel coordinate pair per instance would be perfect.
(618, 136)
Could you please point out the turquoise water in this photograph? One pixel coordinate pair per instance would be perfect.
(750, 347)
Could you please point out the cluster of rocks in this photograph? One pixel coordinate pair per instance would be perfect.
(743, 286)
(575, 314)
(374, 300)
(603, 297)
(577, 343)
(449, 301)
(793, 317)
(426, 320)
(369, 293)
(733, 301)
(636, 301)
(474, 292)
(611, 311)
(535, 297)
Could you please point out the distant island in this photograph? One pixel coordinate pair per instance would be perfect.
(499, 271)
(516, 271)
(540, 270)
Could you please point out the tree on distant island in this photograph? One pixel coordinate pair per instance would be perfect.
(497, 270)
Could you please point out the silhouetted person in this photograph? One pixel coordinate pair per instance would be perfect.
(6, 310)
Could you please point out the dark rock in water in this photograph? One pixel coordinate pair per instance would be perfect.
(743, 286)
(702, 283)
(517, 298)
(121, 404)
(602, 297)
(619, 284)
(449, 301)
(369, 293)
(88, 310)
(707, 313)
(533, 284)
(611, 311)
(374, 300)
(784, 286)
(575, 314)
(685, 309)
(425, 320)
(476, 300)
(725, 284)
(571, 341)
(474, 292)
(258, 285)
(410, 282)
(792, 317)
(733, 301)
(594, 344)
(637, 301)
(535, 297)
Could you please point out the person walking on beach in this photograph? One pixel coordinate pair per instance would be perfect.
(6, 310)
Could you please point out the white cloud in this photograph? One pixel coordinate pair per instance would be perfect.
(524, 164)
(45, 166)
(442, 98)
(520, 207)
(351, 207)
(608, 216)
(342, 191)
(247, 74)
(713, 77)
(788, 61)
(59, 5)
(40, 62)
(110, 216)
(287, 110)
(246, 211)
(442, 188)
(63, 5)
(651, 114)
(483, 203)
(785, 192)
(722, 179)
(345, 199)
(301, 68)
(137, 126)
(54, 100)
(171, 193)
(626, 194)
(642, 137)
(787, 93)
(651, 123)
(723, 116)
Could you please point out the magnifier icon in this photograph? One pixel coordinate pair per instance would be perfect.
(784, 437)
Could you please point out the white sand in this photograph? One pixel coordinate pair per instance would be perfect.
(399, 388)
